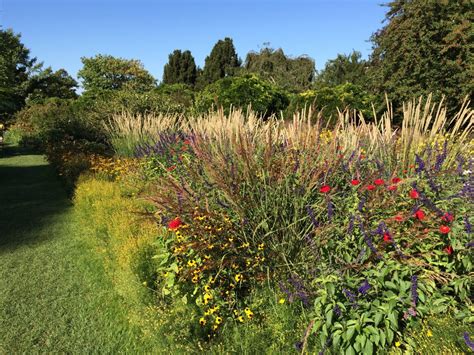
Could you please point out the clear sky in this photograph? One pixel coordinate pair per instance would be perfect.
(60, 32)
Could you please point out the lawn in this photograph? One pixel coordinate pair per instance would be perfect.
(55, 295)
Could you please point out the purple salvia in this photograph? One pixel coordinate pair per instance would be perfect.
(467, 225)
(368, 240)
(361, 204)
(470, 244)
(311, 215)
(441, 157)
(350, 228)
(364, 288)
(420, 163)
(431, 182)
(330, 210)
(299, 346)
(361, 255)
(326, 345)
(468, 341)
(350, 297)
(461, 161)
(337, 311)
(414, 290)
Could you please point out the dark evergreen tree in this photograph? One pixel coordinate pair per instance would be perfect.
(180, 69)
(223, 61)
(51, 84)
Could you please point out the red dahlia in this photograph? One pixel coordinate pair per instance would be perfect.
(387, 237)
(448, 250)
(414, 194)
(420, 215)
(396, 180)
(325, 189)
(379, 182)
(447, 217)
(444, 229)
(175, 223)
(392, 187)
(355, 182)
(371, 187)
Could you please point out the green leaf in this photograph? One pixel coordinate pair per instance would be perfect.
(369, 348)
(349, 334)
(350, 350)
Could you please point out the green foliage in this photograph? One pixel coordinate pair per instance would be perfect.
(331, 98)
(222, 62)
(48, 84)
(293, 74)
(180, 69)
(426, 46)
(103, 73)
(15, 67)
(344, 69)
(263, 97)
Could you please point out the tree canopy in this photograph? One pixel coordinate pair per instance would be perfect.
(295, 74)
(221, 62)
(426, 46)
(180, 69)
(105, 72)
(15, 67)
(343, 69)
(51, 84)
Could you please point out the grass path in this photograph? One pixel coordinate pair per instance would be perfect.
(54, 293)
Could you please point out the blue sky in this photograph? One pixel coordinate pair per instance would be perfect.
(60, 32)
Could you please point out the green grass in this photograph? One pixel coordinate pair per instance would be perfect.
(55, 295)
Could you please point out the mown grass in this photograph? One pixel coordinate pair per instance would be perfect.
(54, 293)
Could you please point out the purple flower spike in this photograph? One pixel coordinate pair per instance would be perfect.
(468, 341)
(364, 288)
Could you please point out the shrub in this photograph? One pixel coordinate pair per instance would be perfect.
(242, 92)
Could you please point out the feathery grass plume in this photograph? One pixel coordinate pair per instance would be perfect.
(126, 131)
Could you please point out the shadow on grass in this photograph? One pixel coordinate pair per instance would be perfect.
(30, 196)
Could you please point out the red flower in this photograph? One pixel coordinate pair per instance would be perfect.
(414, 194)
(379, 182)
(325, 189)
(420, 215)
(444, 229)
(447, 217)
(175, 223)
(171, 168)
(398, 218)
(448, 250)
(371, 187)
(355, 182)
(387, 237)
(392, 187)
(187, 141)
(396, 180)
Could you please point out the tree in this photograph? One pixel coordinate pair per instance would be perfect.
(294, 74)
(344, 69)
(426, 46)
(180, 69)
(103, 73)
(15, 67)
(48, 84)
(221, 62)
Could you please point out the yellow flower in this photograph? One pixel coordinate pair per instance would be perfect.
(245, 245)
(429, 333)
(202, 321)
(238, 277)
(218, 320)
(397, 344)
(240, 319)
(207, 298)
(191, 263)
(249, 313)
(215, 326)
(207, 288)
(195, 279)
(261, 246)
(281, 301)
